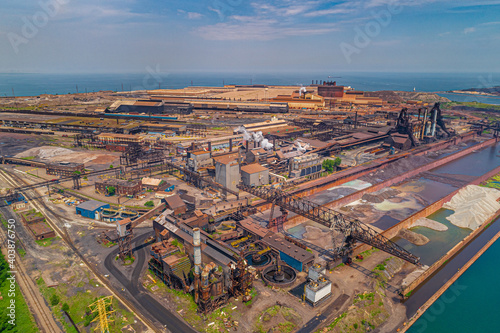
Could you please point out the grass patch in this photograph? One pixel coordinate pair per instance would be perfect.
(77, 306)
(24, 321)
(46, 242)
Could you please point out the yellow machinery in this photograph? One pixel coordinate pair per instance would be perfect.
(239, 241)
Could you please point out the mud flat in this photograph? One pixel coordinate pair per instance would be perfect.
(428, 223)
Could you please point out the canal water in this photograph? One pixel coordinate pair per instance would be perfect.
(440, 242)
(471, 303)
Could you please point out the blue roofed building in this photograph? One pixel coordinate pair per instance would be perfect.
(91, 209)
(297, 257)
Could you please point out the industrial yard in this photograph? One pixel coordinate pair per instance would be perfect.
(244, 208)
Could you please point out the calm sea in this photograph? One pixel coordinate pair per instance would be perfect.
(36, 84)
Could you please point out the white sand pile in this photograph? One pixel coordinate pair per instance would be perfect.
(57, 154)
(45, 152)
(428, 223)
(473, 205)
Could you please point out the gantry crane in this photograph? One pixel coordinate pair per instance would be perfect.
(352, 229)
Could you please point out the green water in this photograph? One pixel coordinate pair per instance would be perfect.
(470, 304)
(440, 242)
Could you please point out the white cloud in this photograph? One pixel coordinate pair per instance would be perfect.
(491, 23)
(443, 34)
(469, 30)
(194, 16)
(331, 11)
(251, 28)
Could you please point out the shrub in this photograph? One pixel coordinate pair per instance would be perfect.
(54, 300)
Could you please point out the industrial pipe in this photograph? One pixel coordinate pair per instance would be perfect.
(197, 250)
(434, 117)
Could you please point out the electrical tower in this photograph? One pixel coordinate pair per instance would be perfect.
(100, 306)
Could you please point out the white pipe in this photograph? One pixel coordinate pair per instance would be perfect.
(279, 176)
(197, 250)
(434, 123)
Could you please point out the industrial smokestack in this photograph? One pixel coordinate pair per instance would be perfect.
(197, 250)
(433, 130)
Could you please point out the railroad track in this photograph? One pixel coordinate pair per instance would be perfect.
(42, 313)
(15, 181)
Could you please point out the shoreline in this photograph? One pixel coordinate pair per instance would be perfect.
(448, 283)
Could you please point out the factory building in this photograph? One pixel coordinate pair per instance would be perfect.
(318, 287)
(254, 175)
(122, 187)
(64, 168)
(140, 106)
(199, 159)
(119, 138)
(227, 171)
(91, 209)
(152, 184)
(41, 230)
(331, 90)
(297, 257)
(175, 203)
(305, 165)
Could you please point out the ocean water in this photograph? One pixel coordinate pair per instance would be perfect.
(36, 84)
(470, 304)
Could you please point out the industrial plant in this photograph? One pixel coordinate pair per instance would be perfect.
(247, 208)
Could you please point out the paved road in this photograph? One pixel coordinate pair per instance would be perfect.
(140, 295)
(327, 315)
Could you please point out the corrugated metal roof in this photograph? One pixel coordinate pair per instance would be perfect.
(92, 205)
(253, 168)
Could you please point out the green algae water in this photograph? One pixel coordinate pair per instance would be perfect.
(440, 242)
(470, 304)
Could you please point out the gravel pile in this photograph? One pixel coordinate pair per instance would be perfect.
(473, 205)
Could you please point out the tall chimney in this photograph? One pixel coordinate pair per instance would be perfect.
(231, 144)
(197, 251)
(433, 129)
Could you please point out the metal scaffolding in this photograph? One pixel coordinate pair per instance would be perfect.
(353, 230)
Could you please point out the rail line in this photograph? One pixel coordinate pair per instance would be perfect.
(46, 322)
(67, 239)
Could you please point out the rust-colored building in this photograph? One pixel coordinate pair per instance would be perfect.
(122, 187)
(64, 168)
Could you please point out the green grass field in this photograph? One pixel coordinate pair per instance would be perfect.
(24, 321)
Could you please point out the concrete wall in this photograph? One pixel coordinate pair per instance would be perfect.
(389, 182)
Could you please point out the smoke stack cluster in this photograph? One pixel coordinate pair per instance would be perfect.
(256, 137)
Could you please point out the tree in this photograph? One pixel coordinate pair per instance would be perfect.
(149, 204)
(330, 165)
(54, 300)
(65, 307)
(111, 190)
(111, 166)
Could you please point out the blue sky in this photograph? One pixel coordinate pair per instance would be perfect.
(249, 36)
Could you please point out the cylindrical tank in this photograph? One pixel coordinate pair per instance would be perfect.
(197, 250)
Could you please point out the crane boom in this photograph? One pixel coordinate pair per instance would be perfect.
(353, 229)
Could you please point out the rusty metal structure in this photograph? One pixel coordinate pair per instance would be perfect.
(211, 285)
(125, 235)
(353, 230)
